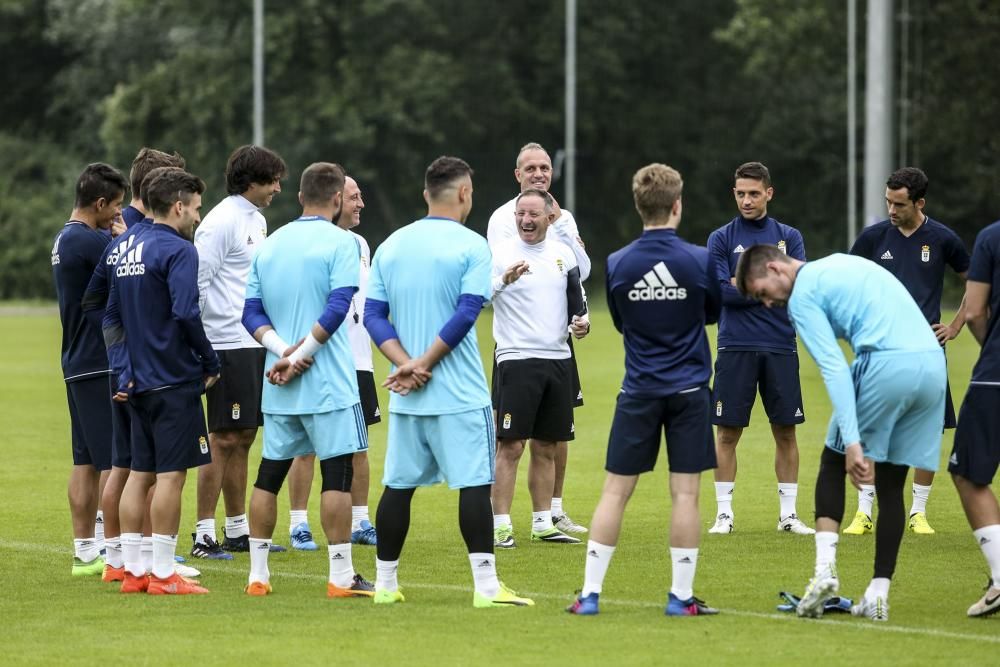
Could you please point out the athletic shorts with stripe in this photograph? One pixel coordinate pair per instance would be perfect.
(325, 434)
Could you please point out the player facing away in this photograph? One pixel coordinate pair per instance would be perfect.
(533, 169)
(756, 351)
(888, 405)
(301, 283)
(976, 453)
(537, 301)
(661, 293)
(301, 475)
(226, 242)
(433, 277)
(76, 251)
(916, 249)
(158, 348)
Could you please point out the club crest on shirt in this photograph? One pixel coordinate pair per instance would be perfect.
(506, 420)
(781, 246)
(559, 265)
(718, 408)
(925, 253)
(236, 410)
(203, 444)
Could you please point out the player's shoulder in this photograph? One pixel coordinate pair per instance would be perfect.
(877, 230)
(938, 228)
(989, 234)
(784, 228)
(505, 209)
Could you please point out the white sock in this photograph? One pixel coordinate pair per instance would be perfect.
(259, 551)
(204, 528)
(295, 517)
(501, 520)
(113, 556)
(541, 521)
(826, 552)
(866, 499)
(237, 526)
(131, 554)
(724, 497)
(484, 574)
(598, 559)
(787, 493)
(878, 588)
(920, 495)
(684, 561)
(99, 530)
(164, 547)
(988, 538)
(341, 566)
(86, 549)
(359, 513)
(557, 508)
(146, 553)
(385, 575)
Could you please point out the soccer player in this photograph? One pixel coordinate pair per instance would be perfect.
(976, 453)
(77, 249)
(226, 242)
(533, 169)
(433, 276)
(537, 300)
(916, 249)
(888, 405)
(301, 283)
(661, 293)
(301, 474)
(756, 350)
(158, 347)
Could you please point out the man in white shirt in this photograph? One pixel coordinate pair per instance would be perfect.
(226, 241)
(301, 475)
(537, 298)
(533, 169)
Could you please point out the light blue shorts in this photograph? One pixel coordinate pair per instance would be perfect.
(900, 402)
(325, 434)
(426, 449)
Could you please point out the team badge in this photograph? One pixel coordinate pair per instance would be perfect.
(925, 253)
(559, 265)
(203, 444)
(236, 410)
(781, 246)
(718, 408)
(506, 421)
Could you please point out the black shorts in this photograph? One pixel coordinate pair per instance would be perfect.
(121, 427)
(634, 442)
(234, 401)
(90, 421)
(168, 429)
(575, 378)
(976, 453)
(738, 374)
(949, 407)
(369, 397)
(535, 399)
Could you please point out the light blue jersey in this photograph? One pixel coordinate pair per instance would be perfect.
(420, 271)
(293, 273)
(847, 297)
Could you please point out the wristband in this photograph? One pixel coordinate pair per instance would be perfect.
(310, 346)
(274, 343)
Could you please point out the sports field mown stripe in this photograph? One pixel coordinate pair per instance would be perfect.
(562, 597)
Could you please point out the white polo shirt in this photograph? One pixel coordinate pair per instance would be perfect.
(503, 226)
(361, 343)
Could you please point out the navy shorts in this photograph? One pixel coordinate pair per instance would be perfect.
(634, 442)
(534, 399)
(121, 426)
(234, 401)
(168, 429)
(574, 378)
(976, 453)
(90, 421)
(949, 408)
(369, 397)
(739, 374)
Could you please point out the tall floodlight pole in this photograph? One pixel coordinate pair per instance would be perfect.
(878, 108)
(571, 105)
(258, 72)
(852, 121)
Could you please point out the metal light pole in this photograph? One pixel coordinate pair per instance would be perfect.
(258, 72)
(852, 121)
(570, 141)
(878, 109)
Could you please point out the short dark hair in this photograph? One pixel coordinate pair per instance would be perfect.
(253, 164)
(755, 171)
(144, 186)
(535, 192)
(911, 178)
(320, 182)
(753, 261)
(442, 174)
(146, 160)
(97, 181)
(170, 186)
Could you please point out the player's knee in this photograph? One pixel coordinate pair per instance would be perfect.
(271, 475)
(337, 473)
(510, 449)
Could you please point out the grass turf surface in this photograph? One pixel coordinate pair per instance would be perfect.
(49, 617)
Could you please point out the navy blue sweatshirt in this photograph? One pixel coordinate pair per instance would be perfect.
(95, 298)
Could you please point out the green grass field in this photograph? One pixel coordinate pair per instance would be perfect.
(50, 618)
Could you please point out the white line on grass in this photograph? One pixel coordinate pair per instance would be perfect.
(926, 632)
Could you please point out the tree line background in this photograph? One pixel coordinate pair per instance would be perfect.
(384, 86)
